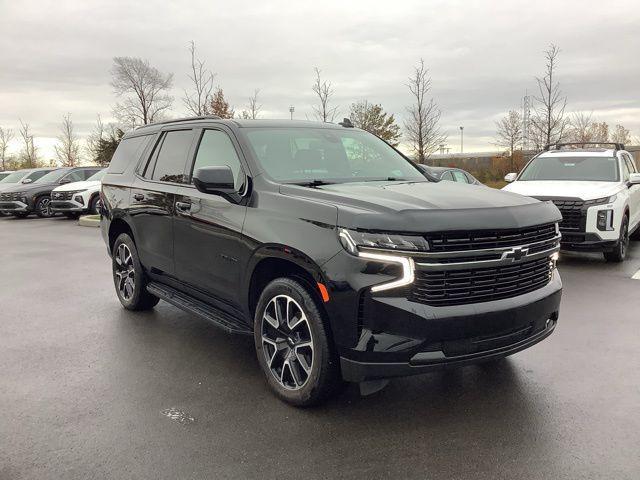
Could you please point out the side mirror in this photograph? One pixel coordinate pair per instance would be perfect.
(634, 179)
(27, 180)
(64, 180)
(215, 180)
(510, 177)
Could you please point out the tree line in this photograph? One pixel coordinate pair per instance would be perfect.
(549, 121)
(143, 97)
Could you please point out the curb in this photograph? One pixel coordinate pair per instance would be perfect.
(89, 221)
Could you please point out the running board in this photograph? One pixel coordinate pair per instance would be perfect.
(221, 319)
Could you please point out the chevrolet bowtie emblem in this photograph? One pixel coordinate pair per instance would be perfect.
(515, 254)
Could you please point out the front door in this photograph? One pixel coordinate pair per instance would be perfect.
(209, 252)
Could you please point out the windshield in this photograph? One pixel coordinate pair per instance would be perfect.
(96, 177)
(599, 169)
(302, 155)
(53, 176)
(14, 177)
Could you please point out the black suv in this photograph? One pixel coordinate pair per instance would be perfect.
(24, 199)
(329, 247)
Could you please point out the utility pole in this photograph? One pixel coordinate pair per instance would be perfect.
(526, 115)
(291, 110)
(461, 139)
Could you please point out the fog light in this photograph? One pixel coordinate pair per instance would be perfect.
(79, 199)
(605, 220)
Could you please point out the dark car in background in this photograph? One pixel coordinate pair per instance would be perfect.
(329, 247)
(35, 197)
(448, 174)
(24, 176)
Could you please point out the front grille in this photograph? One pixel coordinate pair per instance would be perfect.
(62, 195)
(474, 285)
(483, 239)
(10, 197)
(573, 215)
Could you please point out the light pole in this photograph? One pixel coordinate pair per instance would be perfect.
(461, 139)
(291, 110)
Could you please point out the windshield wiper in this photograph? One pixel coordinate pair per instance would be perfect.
(388, 179)
(313, 183)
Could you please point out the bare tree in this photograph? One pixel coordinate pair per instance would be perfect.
(621, 135)
(599, 132)
(324, 90)
(68, 148)
(509, 132)
(580, 129)
(202, 79)
(548, 123)
(253, 108)
(422, 126)
(6, 136)
(29, 152)
(144, 90)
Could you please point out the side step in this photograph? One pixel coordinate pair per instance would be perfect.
(221, 319)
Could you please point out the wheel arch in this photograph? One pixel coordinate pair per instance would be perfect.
(117, 227)
(275, 261)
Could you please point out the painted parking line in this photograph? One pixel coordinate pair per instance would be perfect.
(636, 276)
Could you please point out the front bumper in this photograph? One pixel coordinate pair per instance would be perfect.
(586, 242)
(400, 337)
(14, 206)
(66, 206)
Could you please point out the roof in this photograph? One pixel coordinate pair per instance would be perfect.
(260, 123)
(580, 152)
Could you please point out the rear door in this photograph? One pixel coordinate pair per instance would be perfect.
(209, 252)
(153, 197)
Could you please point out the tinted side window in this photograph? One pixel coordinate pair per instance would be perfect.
(36, 175)
(632, 165)
(446, 176)
(216, 149)
(459, 176)
(75, 176)
(128, 152)
(172, 158)
(625, 169)
(89, 172)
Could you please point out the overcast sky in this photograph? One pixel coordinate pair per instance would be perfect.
(482, 56)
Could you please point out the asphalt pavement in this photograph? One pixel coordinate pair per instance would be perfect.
(89, 390)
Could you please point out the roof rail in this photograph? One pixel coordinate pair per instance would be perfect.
(558, 146)
(176, 120)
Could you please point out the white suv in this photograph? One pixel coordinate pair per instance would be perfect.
(597, 190)
(76, 198)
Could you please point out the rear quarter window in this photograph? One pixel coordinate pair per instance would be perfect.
(128, 153)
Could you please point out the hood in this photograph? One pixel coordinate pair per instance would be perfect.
(575, 189)
(427, 206)
(74, 186)
(6, 186)
(31, 187)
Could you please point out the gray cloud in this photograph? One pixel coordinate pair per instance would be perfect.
(482, 56)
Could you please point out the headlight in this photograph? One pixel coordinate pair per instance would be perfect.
(600, 201)
(352, 239)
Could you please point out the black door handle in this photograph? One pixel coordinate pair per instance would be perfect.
(138, 196)
(183, 206)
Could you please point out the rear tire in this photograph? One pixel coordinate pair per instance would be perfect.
(619, 253)
(297, 357)
(129, 277)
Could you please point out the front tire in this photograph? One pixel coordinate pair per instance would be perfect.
(619, 253)
(293, 345)
(43, 207)
(94, 205)
(129, 277)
